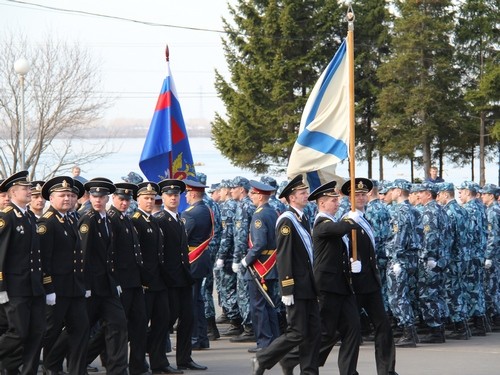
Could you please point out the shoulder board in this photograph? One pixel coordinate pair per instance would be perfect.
(47, 215)
(136, 215)
(326, 221)
(189, 208)
(258, 210)
(90, 213)
(8, 209)
(111, 213)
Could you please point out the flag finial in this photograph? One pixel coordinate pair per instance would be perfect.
(167, 54)
(350, 17)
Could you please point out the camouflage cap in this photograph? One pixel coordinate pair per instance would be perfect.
(415, 188)
(489, 189)
(202, 177)
(281, 187)
(402, 184)
(445, 186)
(241, 181)
(225, 184)
(384, 186)
(426, 186)
(469, 185)
(268, 180)
(133, 178)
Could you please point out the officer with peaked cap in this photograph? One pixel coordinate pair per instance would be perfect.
(22, 288)
(199, 224)
(129, 267)
(102, 286)
(62, 257)
(178, 271)
(298, 287)
(155, 282)
(37, 204)
(261, 258)
(367, 283)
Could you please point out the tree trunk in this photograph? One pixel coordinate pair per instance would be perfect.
(381, 166)
(482, 167)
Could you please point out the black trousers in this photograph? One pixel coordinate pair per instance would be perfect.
(339, 319)
(304, 331)
(199, 336)
(72, 313)
(134, 305)
(181, 309)
(21, 343)
(385, 352)
(110, 311)
(157, 311)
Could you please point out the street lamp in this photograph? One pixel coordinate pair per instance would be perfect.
(22, 67)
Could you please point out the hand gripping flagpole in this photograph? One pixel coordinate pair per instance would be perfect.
(352, 141)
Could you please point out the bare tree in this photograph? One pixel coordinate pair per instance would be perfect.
(62, 105)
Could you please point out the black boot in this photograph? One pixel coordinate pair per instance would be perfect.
(479, 328)
(212, 331)
(408, 339)
(459, 332)
(435, 336)
(235, 328)
(247, 336)
(222, 319)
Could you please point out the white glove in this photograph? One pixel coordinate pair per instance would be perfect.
(119, 290)
(354, 215)
(88, 293)
(4, 298)
(219, 264)
(431, 263)
(50, 299)
(355, 266)
(287, 300)
(397, 269)
(236, 267)
(488, 263)
(244, 263)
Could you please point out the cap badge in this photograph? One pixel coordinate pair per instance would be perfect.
(65, 184)
(149, 187)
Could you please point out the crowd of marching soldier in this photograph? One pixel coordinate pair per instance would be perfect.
(113, 278)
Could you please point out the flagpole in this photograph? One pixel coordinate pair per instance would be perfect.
(170, 161)
(352, 141)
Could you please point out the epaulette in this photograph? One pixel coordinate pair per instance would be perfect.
(111, 213)
(326, 221)
(90, 213)
(258, 209)
(189, 208)
(7, 209)
(136, 215)
(47, 215)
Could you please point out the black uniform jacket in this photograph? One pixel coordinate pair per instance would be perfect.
(62, 254)
(295, 270)
(151, 240)
(332, 269)
(20, 263)
(176, 267)
(97, 245)
(127, 249)
(368, 280)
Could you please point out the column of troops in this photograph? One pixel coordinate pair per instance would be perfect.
(86, 277)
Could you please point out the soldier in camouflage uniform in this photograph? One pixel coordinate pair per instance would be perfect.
(433, 260)
(377, 214)
(344, 207)
(474, 276)
(227, 288)
(402, 251)
(207, 287)
(459, 260)
(242, 219)
(489, 192)
(414, 199)
(132, 178)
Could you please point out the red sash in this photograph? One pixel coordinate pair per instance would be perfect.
(197, 251)
(263, 268)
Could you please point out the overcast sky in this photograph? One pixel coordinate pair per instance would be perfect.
(133, 54)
